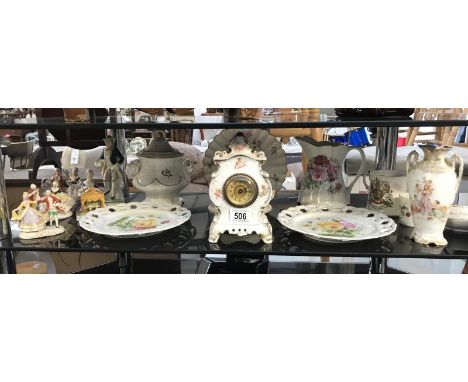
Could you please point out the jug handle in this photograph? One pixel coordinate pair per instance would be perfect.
(410, 163)
(133, 168)
(457, 158)
(349, 187)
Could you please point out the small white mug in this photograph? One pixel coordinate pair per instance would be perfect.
(385, 187)
(406, 216)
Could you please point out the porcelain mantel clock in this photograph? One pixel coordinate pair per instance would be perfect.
(241, 192)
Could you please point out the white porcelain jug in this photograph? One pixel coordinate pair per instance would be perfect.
(323, 182)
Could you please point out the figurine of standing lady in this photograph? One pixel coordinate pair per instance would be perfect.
(56, 177)
(88, 183)
(33, 194)
(29, 217)
(73, 182)
(109, 163)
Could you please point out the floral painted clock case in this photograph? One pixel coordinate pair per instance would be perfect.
(240, 191)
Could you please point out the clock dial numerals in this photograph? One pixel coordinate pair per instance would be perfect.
(240, 190)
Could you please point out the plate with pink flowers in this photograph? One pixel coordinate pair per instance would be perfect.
(337, 224)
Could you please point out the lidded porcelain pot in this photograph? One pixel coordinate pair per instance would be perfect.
(432, 186)
(160, 171)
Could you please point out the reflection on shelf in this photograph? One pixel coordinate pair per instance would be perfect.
(191, 237)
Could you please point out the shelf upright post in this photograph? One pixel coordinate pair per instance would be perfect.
(5, 231)
(125, 262)
(7, 261)
(119, 135)
(385, 159)
(386, 148)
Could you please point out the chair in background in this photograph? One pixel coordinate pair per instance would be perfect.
(181, 135)
(446, 135)
(424, 115)
(19, 154)
(443, 135)
(299, 115)
(292, 115)
(184, 115)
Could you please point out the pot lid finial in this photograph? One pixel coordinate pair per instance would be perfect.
(159, 147)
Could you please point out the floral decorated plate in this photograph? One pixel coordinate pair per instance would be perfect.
(127, 220)
(337, 224)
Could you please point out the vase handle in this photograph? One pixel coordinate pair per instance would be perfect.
(410, 163)
(458, 159)
(349, 187)
(133, 168)
(188, 165)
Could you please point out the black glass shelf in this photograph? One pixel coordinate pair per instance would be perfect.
(351, 122)
(192, 237)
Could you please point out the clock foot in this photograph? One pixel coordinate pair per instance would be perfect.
(214, 235)
(267, 236)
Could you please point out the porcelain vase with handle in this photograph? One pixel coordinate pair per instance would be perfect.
(323, 183)
(432, 186)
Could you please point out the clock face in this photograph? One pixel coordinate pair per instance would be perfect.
(240, 190)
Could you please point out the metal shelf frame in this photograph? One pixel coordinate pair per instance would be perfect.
(239, 125)
(386, 145)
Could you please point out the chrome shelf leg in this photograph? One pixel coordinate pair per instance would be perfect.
(5, 231)
(7, 262)
(386, 148)
(119, 135)
(377, 265)
(124, 259)
(204, 265)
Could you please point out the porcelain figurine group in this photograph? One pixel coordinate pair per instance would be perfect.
(65, 192)
(35, 211)
(62, 194)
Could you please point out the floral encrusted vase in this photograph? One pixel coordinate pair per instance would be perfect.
(323, 183)
(432, 186)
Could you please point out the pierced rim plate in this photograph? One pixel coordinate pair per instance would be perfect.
(456, 229)
(127, 220)
(275, 165)
(337, 224)
(458, 219)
